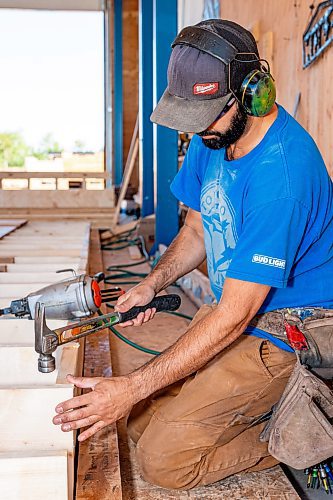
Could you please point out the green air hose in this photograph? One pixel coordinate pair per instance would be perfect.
(123, 273)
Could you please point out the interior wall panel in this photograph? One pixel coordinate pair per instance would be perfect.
(284, 22)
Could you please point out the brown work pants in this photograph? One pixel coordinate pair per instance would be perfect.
(196, 431)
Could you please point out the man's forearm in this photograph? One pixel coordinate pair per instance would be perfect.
(186, 252)
(209, 336)
(192, 351)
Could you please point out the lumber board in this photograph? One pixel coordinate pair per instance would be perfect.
(34, 476)
(21, 331)
(28, 397)
(15, 222)
(7, 260)
(29, 277)
(127, 176)
(41, 244)
(55, 259)
(19, 290)
(18, 365)
(26, 418)
(35, 252)
(29, 199)
(41, 268)
(98, 473)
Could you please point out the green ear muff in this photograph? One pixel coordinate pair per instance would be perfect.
(257, 93)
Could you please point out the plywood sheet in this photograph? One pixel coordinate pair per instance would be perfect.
(34, 476)
(26, 418)
(19, 365)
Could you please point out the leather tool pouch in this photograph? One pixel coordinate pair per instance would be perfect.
(319, 336)
(300, 433)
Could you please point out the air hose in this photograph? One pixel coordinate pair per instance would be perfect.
(124, 240)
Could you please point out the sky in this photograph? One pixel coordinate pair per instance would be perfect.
(51, 67)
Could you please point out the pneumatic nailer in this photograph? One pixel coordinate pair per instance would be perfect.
(76, 298)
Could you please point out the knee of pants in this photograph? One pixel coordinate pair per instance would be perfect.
(157, 468)
(164, 463)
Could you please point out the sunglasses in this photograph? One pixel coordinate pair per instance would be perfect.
(226, 108)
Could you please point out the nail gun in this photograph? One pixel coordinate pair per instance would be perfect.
(75, 298)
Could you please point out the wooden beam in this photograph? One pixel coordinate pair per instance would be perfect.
(98, 473)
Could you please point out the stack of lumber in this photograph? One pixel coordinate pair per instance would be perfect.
(36, 457)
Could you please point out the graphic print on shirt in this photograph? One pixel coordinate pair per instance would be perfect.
(220, 232)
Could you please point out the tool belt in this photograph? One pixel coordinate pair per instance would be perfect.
(310, 336)
(299, 432)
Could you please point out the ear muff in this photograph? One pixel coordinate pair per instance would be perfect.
(257, 93)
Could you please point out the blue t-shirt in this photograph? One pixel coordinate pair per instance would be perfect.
(267, 217)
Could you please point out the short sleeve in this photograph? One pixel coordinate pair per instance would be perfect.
(269, 243)
(186, 186)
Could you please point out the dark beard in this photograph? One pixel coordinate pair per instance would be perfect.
(236, 130)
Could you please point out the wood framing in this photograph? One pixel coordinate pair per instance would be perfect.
(33, 451)
(98, 474)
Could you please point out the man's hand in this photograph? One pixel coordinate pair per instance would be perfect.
(140, 295)
(109, 400)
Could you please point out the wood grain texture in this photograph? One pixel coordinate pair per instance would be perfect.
(130, 77)
(57, 199)
(30, 476)
(287, 20)
(98, 472)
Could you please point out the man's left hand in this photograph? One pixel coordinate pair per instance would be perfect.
(109, 400)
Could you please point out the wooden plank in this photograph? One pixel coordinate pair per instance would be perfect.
(29, 277)
(19, 364)
(40, 244)
(19, 290)
(7, 260)
(98, 474)
(54, 175)
(34, 475)
(129, 166)
(19, 252)
(21, 331)
(57, 199)
(15, 222)
(44, 278)
(26, 418)
(44, 259)
(42, 268)
(135, 253)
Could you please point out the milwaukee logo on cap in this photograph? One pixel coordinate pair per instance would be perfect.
(205, 88)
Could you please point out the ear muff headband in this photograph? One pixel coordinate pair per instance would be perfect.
(257, 92)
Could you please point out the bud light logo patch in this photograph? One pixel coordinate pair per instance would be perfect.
(269, 261)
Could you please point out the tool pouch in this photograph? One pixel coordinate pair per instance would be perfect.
(299, 432)
(319, 336)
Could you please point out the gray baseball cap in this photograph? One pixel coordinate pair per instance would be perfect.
(198, 87)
